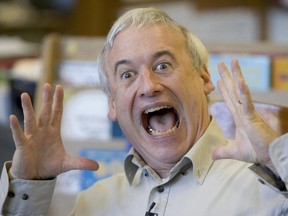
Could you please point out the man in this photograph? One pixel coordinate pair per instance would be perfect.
(155, 75)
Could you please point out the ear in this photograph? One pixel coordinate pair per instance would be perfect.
(112, 110)
(208, 85)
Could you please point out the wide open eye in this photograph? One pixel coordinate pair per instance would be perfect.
(163, 66)
(127, 74)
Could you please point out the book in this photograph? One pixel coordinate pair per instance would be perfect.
(255, 68)
(280, 72)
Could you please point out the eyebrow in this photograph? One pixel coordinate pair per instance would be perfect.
(155, 56)
(162, 53)
(121, 62)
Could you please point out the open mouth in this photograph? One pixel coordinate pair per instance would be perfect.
(160, 120)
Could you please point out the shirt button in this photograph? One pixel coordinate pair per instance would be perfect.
(11, 194)
(261, 181)
(25, 196)
(184, 173)
(160, 188)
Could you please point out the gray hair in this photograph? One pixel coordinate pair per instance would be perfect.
(143, 17)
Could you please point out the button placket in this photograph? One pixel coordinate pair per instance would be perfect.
(160, 195)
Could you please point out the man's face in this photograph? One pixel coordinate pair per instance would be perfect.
(157, 97)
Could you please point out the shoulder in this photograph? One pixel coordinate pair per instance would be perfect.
(101, 197)
(231, 171)
(108, 186)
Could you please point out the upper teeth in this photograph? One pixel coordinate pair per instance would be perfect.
(156, 109)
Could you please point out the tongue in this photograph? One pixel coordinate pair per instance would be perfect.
(162, 122)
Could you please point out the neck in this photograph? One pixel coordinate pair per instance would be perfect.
(163, 169)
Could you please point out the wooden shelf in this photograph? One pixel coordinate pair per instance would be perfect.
(276, 97)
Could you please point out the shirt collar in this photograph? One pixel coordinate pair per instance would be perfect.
(201, 152)
(200, 155)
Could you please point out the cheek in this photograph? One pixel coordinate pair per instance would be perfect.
(122, 104)
(192, 95)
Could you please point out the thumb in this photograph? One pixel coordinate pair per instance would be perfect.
(223, 152)
(80, 163)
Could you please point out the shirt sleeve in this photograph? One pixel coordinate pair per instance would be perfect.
(278, 152)
(24, 197)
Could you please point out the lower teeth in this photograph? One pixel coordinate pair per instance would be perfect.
(159, 133)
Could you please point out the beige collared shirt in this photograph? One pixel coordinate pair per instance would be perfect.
(197, 185)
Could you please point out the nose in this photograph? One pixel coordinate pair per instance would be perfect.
(150, 84)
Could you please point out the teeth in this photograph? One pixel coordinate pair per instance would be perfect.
(156, 108)
(160, 133)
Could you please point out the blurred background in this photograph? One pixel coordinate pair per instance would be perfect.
(255, 31)
(219, 23)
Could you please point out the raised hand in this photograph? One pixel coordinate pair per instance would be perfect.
(253, 135)
(40, 153)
